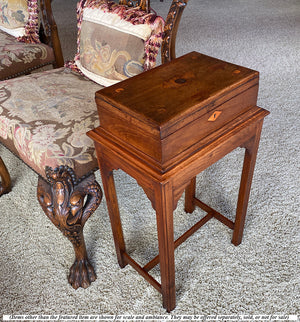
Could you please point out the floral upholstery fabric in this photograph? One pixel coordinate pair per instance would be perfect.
(18, 58)
(44, 118)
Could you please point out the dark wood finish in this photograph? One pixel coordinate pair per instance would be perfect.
(143, 4)
(113, 208)
(184, 96)
(69, 206)
(49, 32)
(189, 205)
(251, 148)
(168, 51)
(5, 183)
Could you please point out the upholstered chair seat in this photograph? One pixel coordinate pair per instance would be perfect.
(18, 58)
(44, 129)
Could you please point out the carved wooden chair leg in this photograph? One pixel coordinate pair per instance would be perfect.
(5, 183)
(69, 204)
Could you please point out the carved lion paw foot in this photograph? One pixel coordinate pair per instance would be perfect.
(82, 274)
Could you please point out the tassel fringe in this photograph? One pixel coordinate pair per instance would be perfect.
(135, 16)
(32, 26)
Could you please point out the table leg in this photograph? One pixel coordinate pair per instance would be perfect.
(114, 214)
(165, 231)
(245, 185)
(189, 204)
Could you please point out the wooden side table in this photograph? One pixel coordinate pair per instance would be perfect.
(191, 113)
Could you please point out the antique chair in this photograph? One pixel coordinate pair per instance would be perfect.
(28, 37)
(46, 128)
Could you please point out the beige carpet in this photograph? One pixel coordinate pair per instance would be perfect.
(261, 276)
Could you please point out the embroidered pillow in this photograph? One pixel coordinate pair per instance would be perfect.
(19, 18)
(115, 42)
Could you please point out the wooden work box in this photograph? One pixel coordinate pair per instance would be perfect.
(169, 113)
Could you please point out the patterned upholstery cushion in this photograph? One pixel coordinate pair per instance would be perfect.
(20, 18)
(116, 42)
(17, 57)
(14, 15)
(44, 118)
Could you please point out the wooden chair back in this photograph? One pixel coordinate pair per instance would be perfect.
(168, 51)
(48, 31)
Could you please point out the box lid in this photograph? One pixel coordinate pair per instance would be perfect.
(167, 94)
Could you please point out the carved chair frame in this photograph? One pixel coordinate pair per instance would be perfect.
(48, 32)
